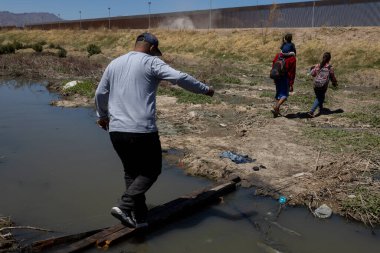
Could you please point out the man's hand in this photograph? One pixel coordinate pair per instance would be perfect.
(210, 92)
(291, 88)
(103, 123)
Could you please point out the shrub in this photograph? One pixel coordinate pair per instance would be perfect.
(93, 49)
(25, 46)
(37, 47)
(18, 45)
(52, 46)
(7, 49)
(62, 52)
(42, 42)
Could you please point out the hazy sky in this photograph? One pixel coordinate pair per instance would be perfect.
(69, 9)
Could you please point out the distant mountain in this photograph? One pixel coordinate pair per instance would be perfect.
(21, 19)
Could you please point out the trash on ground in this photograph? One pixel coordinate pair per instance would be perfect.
(301, 174)
(70, 84)
(236, 158)
(282, 200)
(323, 212)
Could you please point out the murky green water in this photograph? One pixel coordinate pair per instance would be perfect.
(58, 171)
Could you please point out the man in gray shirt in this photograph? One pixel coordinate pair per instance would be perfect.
(126, 107)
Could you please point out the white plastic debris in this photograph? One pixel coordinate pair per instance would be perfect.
(70, 84)
(302, 174)
(323, 212)
(192, 114)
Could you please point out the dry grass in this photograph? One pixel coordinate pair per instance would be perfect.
(349, 183)
(351, 48)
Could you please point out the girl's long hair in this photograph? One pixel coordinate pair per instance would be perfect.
(325, 59)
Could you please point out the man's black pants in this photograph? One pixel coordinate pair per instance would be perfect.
(141, 156)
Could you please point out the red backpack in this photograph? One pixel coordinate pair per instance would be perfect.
(322, 78)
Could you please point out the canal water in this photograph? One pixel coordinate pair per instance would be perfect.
(58, 171)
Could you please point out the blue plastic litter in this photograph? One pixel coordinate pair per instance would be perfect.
(236, 158)
(282, 200)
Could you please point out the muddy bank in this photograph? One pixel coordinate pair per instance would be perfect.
(7, 243)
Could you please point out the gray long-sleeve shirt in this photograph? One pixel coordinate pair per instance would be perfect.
(126, 93)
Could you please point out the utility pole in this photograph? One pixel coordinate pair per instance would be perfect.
(80, 20)
(312, 17)
(149, 3)
(109, 18)
(209, 16)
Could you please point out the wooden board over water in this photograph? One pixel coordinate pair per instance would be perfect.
(158, 217)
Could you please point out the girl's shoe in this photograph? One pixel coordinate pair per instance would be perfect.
(275, 112)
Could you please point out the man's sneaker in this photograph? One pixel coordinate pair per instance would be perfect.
(139, 221)
(125, 217)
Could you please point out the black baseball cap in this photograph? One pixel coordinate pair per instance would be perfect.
(151, 39)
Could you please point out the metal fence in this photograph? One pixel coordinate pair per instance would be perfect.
(304, 14)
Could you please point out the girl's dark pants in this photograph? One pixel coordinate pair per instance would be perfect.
(141, 156)
(320, 94)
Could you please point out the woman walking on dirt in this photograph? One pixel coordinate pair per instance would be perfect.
(285, 80)
(322, 73)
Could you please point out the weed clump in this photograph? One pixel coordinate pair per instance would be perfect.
(83, 88)
(7, 49)
(37, 47)
(364, 205)
(93, 49)
(184, 96)
(18, 45)
(62, 53)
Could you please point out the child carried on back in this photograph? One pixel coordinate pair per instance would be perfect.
(288, 48)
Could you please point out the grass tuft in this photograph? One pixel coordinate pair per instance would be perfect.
(83, 88)
(339, 140)
(365, 204)
(184, 96)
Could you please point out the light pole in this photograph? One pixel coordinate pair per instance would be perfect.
(209, 16)
(80, 20)
(109, 18)
(312, 17)
(149, 3)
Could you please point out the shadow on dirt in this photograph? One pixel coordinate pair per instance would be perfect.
(305, 115)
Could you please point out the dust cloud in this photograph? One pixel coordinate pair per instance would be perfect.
(177, 23)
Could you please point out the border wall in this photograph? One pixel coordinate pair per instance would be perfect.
(303, 14)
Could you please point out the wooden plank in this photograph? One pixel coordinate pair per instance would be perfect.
(48, 243)
(158, 216)
(161, 215)
(91, 240)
